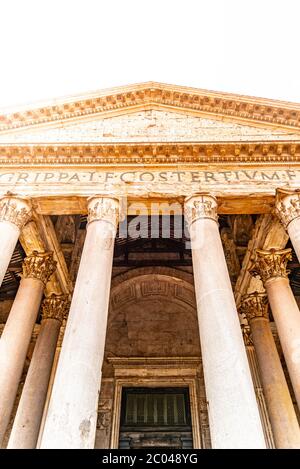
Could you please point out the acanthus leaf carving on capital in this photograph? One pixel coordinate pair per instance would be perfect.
(271, 263)
(103, 208)
(287, 205)
(200, 206)
(55, 307)
(15, 210)
(39, 266)
(255, 305)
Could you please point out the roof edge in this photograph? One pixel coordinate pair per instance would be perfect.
(276, 112)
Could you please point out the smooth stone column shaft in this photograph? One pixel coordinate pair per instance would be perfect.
(25, 431)
(72, 413)
(281, 410)
(287, 318)
(17, 332)
(14, 213)
(9, 235)
(233, 413)
(14, 344)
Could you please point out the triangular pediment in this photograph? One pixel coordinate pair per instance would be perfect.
(152, 125)
(152, 112)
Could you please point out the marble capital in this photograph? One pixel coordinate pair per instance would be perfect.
(255, 305)
(271, 263)
(15, 210)
(287, 205)
(105, 209)
(39, 266)
(55, 307)
(199, 206)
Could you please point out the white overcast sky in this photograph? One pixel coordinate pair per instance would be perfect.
(53, 48)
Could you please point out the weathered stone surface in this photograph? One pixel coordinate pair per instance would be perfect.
(162, 143)
(152, 126)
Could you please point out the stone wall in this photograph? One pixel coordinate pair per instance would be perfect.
(152, 315)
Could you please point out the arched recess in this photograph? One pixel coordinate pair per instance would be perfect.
(152, 313)
(152, 339)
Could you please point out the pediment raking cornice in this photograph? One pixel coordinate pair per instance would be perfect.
(223, 105)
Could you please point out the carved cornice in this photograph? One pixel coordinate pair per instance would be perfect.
(244, 108)
(55, 307)
(39, 266)
(200, 206)
(103, 208)
(254, 306)
(270, 264)
(150, 153)
(287, 205)
(14, 210)
(154, 362)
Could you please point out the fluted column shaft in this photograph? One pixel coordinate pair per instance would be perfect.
(271, 267)
(25, 431)
(14, 213)
(233, 412)
(72, 414)
(16, 335)
(279, 403)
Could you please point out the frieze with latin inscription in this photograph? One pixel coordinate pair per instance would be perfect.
(206, 177)
(37, 182)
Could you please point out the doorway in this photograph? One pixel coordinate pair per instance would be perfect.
(155, 418)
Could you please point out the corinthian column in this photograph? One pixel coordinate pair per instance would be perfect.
(72, 414)
(14, 213)
(25, 431)
(280, 406)
(15, 339)
(233, 412)
(288, 210)
(270, 266)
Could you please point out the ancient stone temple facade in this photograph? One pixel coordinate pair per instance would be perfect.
(149, 268)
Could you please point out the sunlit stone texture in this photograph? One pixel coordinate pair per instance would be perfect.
(15, 339)
(288, 210)
(14, 213)
(233, 413)
(72, 413)
(26, 427)
(280, 406)
(271, 267)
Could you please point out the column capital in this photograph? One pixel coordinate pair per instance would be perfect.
(15, 210)
(55, 307)
(271, 263)
(254, 306)
(39, 266)
(103, 208)
(199, 206)
(287, 205)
